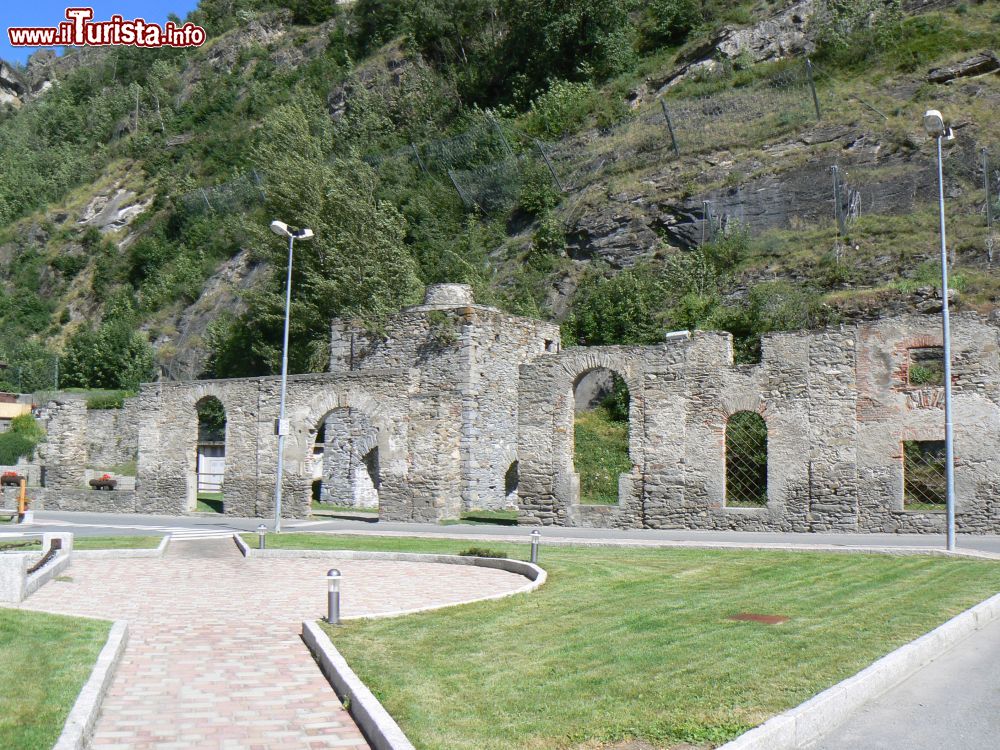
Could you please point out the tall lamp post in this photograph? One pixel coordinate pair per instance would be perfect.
(936, 127)
(281, 427)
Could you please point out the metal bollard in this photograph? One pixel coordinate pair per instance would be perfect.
(535, 538)
(261, 533)
(333, 596)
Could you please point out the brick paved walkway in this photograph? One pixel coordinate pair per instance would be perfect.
(214, 659)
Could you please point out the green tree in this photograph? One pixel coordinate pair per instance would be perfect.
(116, 355)
(669, 21)
(357, 265)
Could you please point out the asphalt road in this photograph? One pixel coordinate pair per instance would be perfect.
(91, 524)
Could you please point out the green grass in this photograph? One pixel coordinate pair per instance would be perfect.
(600, 454)
(126, 469)
(626, 644)
(44, 662)
(209, 502)
(116, 542)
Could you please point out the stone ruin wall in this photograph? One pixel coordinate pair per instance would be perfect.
(452, 394)
(468, 356)
(837, 406)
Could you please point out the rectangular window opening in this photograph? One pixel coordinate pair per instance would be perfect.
(924, 480)
(925, 366)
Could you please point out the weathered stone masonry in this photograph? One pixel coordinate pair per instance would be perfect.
(837, 406)
(450, 398)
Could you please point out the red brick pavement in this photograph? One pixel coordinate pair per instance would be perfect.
(214, 659)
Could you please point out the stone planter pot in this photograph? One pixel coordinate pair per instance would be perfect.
(11, 481)
(103, 484)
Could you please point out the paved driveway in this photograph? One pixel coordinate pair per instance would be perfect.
(214, 659)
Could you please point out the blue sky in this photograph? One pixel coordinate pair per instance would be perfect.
(48, 13)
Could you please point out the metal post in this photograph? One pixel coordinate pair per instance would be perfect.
(333, 596)
(812, 87)
(284, 384)
(946, 326)
(503, 138)
(261, 534)
(552, 170)
(986, 189)
(670, 128)
(458, 189)
(535, 538)
(416, 153)
(838, 204)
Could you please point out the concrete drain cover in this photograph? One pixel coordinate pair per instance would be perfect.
(766, 619)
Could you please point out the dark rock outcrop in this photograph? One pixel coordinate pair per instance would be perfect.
(985, 62)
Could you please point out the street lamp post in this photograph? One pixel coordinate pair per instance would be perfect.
(281, 428)
(936, 127)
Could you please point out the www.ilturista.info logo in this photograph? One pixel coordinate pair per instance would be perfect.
(78, 31)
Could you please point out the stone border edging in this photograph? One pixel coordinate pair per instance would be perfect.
(378, 727)
(536, 576)
(813, 719)
(83, 716)
(98, 554)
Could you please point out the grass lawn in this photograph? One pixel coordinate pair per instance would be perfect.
(44, 661)
(209, 502)
(600, 454)
(116, 542)
(632, 643)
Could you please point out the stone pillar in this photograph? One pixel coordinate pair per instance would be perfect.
(66, 445)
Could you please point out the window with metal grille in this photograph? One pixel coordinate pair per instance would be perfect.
(926, 366)
(924, 482)
(746, 460)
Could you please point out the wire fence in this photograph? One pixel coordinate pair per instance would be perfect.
(487, 164)
(228, 197)
(746, 459)
(924, 478)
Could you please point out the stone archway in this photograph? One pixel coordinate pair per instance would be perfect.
(358, 443)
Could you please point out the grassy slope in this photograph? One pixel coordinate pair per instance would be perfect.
(634, 643)
(600, 455)
(44, 661)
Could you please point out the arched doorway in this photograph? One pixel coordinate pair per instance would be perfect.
(210, 452)
(344, 463)
(601, 401)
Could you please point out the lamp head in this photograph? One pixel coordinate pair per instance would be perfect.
(280, 228)
(934, 124)
(303, 234)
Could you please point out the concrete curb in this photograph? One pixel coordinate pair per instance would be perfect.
(81, 720)
(98, 554)
(811, 720)
(379, 728)
(536, 576)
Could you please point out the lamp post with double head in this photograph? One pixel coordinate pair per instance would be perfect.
(937, 129)
(281, 427)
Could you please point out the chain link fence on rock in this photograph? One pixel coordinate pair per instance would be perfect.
(227, 197)
(485, 165)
